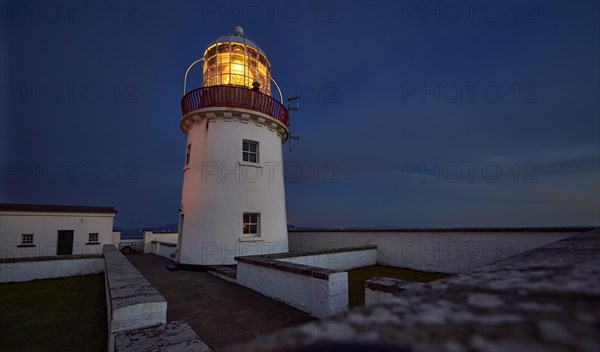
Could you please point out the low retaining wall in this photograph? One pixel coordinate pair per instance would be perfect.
(39, 268)
(321, 295)
(163, 249)
(336, 259)
(444, 251)
(132, 302)
(378, 289)
(151, 237)
(224, 272)
(166, 249)
(320, 291)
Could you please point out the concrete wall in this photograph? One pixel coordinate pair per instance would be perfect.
(152, 248)
(319, 297)
(132, 302)
(166, 251)
(49, 268)
(149, 236)
(375, 296)
(444, 252)
(340, 261)
(163, 244)
(45, 226)
(218, 187)
(313, 282)
(379, 289)
(116, 238)
(163, 249)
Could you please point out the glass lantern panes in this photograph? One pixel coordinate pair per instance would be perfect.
(236, 64)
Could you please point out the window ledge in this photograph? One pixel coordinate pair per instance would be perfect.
(91, 243)
(25, 245)
(247, 163)
(252, 239)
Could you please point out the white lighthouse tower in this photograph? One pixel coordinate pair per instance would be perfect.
(233, 199)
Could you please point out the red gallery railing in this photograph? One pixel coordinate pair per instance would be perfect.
(233, 97)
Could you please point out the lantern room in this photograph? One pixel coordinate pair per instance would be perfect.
(236, 60)
(236, 74)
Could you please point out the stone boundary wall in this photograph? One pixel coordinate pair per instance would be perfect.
(444, 251)
(51, 267)
(132, 302)
(319, 291)
(545, 299)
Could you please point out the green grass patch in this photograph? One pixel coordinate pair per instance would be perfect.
(357, 278)
(67, 314)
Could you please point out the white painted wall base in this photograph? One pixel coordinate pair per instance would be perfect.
(166, 251)
(149, 236)
(221, 276)
(21, 271)
(161, 249)
(321, 298)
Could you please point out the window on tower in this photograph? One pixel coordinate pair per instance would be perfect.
(251, 224)
(250, 151)
(188, 151)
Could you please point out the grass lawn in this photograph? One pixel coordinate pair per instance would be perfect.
(357, 278)
(67, 314)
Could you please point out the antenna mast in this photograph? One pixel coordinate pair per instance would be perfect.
(293, 105)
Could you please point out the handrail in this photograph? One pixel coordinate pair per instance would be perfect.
(234, 97)
(188, 71)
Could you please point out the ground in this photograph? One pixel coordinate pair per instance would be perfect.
(67, 314)
(357, 278)
(222, 313)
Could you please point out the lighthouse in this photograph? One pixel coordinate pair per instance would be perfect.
(233, 198)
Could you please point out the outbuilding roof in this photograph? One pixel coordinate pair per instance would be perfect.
(49, 208)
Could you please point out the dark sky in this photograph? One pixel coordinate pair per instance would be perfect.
(412, 114)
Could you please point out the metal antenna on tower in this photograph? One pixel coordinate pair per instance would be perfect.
(293, 105)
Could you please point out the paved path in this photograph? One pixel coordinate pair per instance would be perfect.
(221, 312)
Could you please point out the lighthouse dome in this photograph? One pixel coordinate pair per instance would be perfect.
(236, 60)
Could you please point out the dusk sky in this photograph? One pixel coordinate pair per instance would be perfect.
(413, 114)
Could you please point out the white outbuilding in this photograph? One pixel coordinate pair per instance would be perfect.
(233, 199)
(35, 230)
